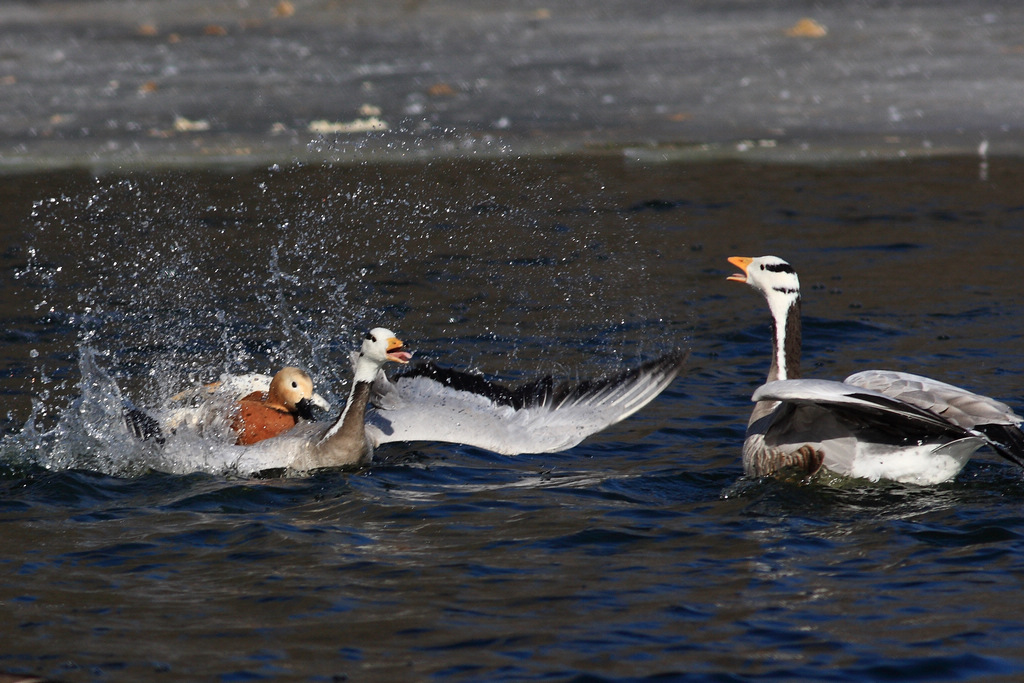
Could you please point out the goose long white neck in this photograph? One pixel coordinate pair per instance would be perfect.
(780, 286)
(365, 370)
(786, 334)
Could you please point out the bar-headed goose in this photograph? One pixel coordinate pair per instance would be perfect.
(430, 404)
(874, 425)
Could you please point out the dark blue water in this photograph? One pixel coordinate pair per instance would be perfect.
(639, 555)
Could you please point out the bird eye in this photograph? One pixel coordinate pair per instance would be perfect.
(295, 385)
(762, 266)
(371, 337)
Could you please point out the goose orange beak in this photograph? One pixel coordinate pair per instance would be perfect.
(740, 262)
(396, 351)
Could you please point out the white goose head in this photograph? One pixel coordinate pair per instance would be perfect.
(779, 284)
(380, 345)
(770, 275)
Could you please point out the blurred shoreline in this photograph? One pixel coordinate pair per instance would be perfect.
(112, 84)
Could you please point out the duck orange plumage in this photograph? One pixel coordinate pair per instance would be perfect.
(259, 416)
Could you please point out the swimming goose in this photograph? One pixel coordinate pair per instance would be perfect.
(874, 425)
(432, 404)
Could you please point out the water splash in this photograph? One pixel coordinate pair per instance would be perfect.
(89, 434)
(513, 266)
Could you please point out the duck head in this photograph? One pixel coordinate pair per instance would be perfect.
(292, 389)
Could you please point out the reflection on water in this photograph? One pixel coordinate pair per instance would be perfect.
(635, 554)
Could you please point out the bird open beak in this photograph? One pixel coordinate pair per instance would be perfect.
(396, 351)
(740, 262)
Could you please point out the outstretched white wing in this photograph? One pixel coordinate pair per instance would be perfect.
(435, 404)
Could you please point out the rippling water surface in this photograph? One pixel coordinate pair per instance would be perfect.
(640, 554)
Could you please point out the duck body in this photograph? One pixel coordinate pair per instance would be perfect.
(297, 451)
(876, 424)
(262, 415)
(251, 407)
(299, 445)
(253, 420)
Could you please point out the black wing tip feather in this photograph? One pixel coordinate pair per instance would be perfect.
(666, 366)
(543, 391)
(885, 419)
(142, 425)
(461, 381)
(1006, 440)
(937, 423)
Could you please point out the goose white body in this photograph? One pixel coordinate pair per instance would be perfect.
(863, 433)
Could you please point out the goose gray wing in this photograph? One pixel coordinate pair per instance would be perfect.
(903, 417)
(431, 403)
(862, 407)
(1000, 425)
(959, 406)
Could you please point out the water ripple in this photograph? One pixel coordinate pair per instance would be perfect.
(641, 555)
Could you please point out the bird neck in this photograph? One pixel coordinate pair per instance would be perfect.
(786, 338)
(353, 415)
(364, 369)
(350, 422)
